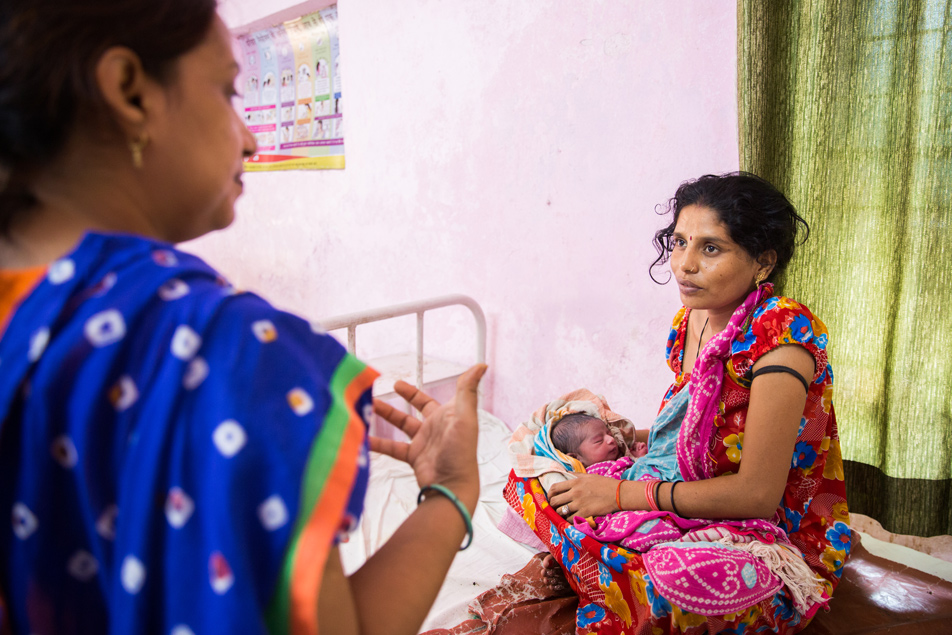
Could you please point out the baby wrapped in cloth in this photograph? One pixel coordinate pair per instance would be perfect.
(567, 437)
(673, 549)
(579, 402)
(533, 453)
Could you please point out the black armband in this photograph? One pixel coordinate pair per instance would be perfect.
(766, 370)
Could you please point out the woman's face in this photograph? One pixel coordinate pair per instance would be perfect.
(198, 142)
(713, 272)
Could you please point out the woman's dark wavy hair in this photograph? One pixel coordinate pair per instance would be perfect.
(48, 55)
(757, 215)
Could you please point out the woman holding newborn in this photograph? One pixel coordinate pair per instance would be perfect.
(752, 532)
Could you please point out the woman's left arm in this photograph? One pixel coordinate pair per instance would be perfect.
(776, 407)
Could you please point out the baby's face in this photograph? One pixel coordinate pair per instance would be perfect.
(597, 444)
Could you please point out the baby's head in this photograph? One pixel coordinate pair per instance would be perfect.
(585, 438)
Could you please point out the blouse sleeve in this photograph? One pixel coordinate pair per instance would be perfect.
(674, 349)
(780, 321)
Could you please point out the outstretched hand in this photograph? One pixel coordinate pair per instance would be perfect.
(442, 447)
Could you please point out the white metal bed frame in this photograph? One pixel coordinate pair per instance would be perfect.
(351, 321)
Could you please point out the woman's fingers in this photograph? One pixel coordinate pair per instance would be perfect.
(560, 487)
(586, 495)
(466, 399)
(561, 492)
(561, 503)
(467, 390)
(397, 449)
(424, 403)
(398, 418)
(433, 453)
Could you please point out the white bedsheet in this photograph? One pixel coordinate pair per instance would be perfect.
(391, 497)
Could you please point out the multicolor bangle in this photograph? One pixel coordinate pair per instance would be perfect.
(445, 491)
(618, 495)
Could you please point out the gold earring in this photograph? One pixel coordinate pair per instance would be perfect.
(761, 276)
(136, 146)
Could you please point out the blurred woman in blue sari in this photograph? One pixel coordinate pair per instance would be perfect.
(177, 457)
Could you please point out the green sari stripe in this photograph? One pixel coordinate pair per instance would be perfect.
(322, 458)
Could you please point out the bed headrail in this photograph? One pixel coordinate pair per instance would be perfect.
(351, 321)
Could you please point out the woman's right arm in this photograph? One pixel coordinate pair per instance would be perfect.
(395, 588)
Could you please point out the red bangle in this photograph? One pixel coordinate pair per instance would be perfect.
(618, 495)
(650, 494)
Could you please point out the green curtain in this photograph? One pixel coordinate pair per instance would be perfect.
(846, 106)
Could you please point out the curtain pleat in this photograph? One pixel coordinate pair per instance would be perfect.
(846, 106)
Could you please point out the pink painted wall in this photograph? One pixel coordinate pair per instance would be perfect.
(513, 151)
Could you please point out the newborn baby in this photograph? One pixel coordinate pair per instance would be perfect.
(585, 432)
(585, 438)
(579, 439)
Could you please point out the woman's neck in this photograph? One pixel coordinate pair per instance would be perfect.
(717, 319)
(31, 244)
(73, 198)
